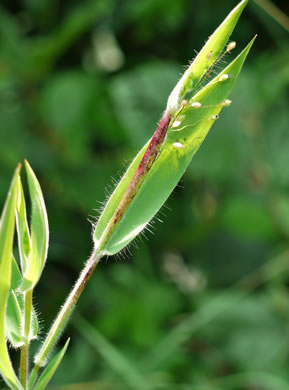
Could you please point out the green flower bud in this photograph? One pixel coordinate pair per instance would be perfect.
(158, 167)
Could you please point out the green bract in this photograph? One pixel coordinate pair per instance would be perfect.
(7, 227)
(190, 113)
(39, 234)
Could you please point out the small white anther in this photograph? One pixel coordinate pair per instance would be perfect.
(184, 102)
(224, 77)
(178, 145)
(226, 102)
(176, 123)
(213, 117)
(196, 105)
(231, 46)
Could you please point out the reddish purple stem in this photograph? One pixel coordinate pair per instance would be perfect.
(153, 148)
(142, 170)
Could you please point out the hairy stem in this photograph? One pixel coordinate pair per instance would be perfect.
(28, 314)
(23, 365)
(24, 354)
(64, 315)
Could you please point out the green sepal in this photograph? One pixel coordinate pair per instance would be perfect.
(7, 228)
(50, 369)
(39, 233)
(116, 197)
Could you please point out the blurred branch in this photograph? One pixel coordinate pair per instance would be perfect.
(170, 344)
(243, 379)
(224, 301)
(264, 379)
(271, 9)
(118, 362)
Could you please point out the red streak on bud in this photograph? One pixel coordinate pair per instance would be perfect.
(154, 146)
(142, 170)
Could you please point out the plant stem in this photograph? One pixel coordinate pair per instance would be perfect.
(28, 314)
(23, 365)
(24, 355)
(64, 315)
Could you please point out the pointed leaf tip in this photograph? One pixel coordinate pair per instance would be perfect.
(39, 232)
(51, 368)
(205, 59)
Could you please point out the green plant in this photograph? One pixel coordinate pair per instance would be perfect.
(192, 108)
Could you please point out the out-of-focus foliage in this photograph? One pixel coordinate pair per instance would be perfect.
(204, 303)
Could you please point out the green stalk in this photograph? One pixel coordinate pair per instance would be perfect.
(28, 315)
(23, 365)
(64, 315)
(24, 356)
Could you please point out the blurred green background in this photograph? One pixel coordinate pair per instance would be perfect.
(203, 303)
